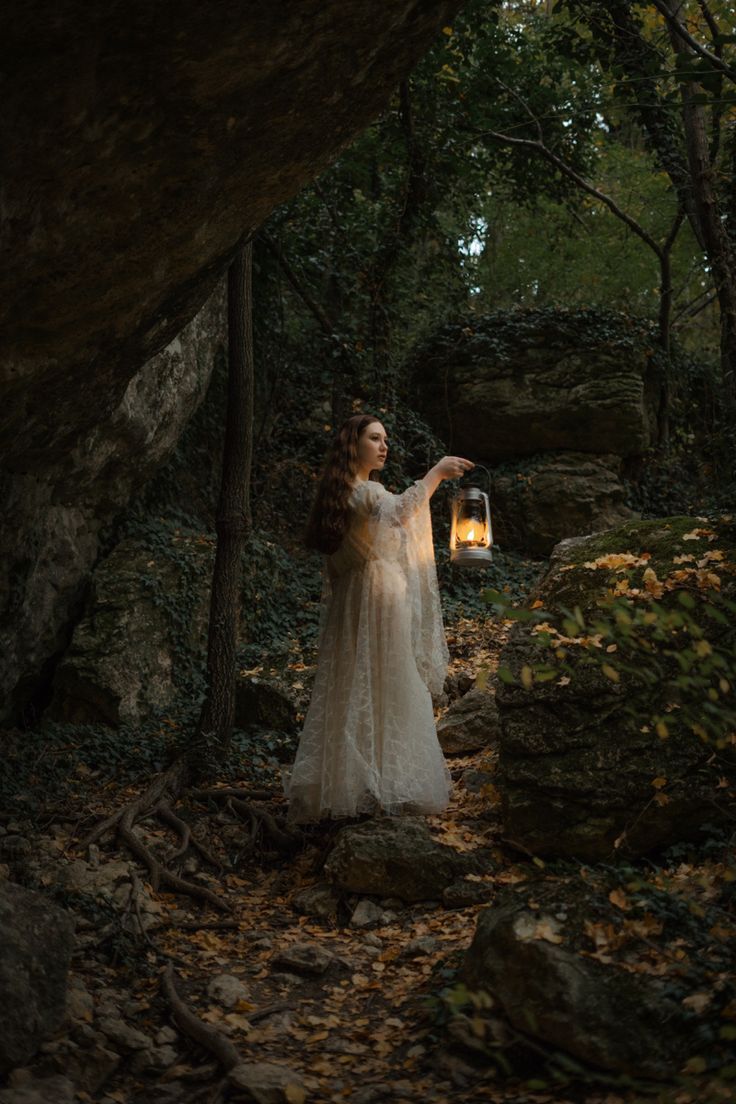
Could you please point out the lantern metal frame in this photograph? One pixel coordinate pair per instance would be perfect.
(471, 557)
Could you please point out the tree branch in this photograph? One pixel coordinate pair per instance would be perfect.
(564, 168)
(684, 34)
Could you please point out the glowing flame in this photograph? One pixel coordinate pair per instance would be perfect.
(466, 532)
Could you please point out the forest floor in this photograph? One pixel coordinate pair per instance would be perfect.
(373, 1026)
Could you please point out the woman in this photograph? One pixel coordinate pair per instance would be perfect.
(369, 741)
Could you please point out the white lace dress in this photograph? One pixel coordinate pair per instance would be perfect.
(369, 741)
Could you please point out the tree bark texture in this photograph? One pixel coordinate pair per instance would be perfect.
(713, 227)
(214, 731)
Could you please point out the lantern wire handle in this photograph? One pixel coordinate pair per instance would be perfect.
(470, 474)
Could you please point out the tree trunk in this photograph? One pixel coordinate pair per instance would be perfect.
(713, 227)
(212, 740)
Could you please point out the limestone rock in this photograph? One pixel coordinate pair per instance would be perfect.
(555, 495)
(394, 856)
(119, 666)
(367, 914)
(308, 959)
(514, 383)
(56, 1089)
(470, 723)
(528, 959)
(124, 1035)
(266, 702)
(151, 177)
(53, 513)
(265, 1082)
(35, 951)
(227, 990)
(576, 765)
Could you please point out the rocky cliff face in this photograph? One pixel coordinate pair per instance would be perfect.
(553, 400)
(144, 145)
(53, 518)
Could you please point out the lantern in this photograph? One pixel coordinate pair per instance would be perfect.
(471, 536)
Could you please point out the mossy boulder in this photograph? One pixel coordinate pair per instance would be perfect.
(394, 857)
(513, 383)
(146, 616)
(544, 953)
(584, 770)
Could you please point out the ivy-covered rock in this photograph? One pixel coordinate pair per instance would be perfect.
(147, 612)
(540, 501)
(513, 383)
(617, 724)
(546, 953)
(51, 524)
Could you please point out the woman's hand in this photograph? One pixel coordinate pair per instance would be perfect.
(449, 467)
(452, 467)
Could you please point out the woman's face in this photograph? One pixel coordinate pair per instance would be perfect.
(372, 448)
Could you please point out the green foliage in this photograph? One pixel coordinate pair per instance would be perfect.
(675, 659)
(55, 757)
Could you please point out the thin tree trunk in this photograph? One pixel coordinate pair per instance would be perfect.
(214, 731)
(716, 239)
(665, 327)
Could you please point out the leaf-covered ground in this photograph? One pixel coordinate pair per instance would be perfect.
(378, 1025)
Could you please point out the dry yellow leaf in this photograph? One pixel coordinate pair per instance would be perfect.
(545, 930)
(618, 898)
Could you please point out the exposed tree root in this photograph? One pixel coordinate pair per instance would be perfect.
(207, 1036)
(155, 802)
(165, 812)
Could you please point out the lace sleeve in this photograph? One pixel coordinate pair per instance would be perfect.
(392, 509)
(402, 531)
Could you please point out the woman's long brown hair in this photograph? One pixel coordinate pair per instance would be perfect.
(329, 514)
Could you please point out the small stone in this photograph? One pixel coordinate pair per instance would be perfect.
(227, 990)
(153, 1060)
(366, 914)
(474, 780)
(316, 900)
(282, 977)
(80, 1004)
(265, 1082)
(304, 958)
(47, 1090)
(90, 1068)
(122, 1035)
(373, 940)
(422, 945)
(462, 894)
(166, 1035)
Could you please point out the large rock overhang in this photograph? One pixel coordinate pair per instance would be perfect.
(141, 142)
